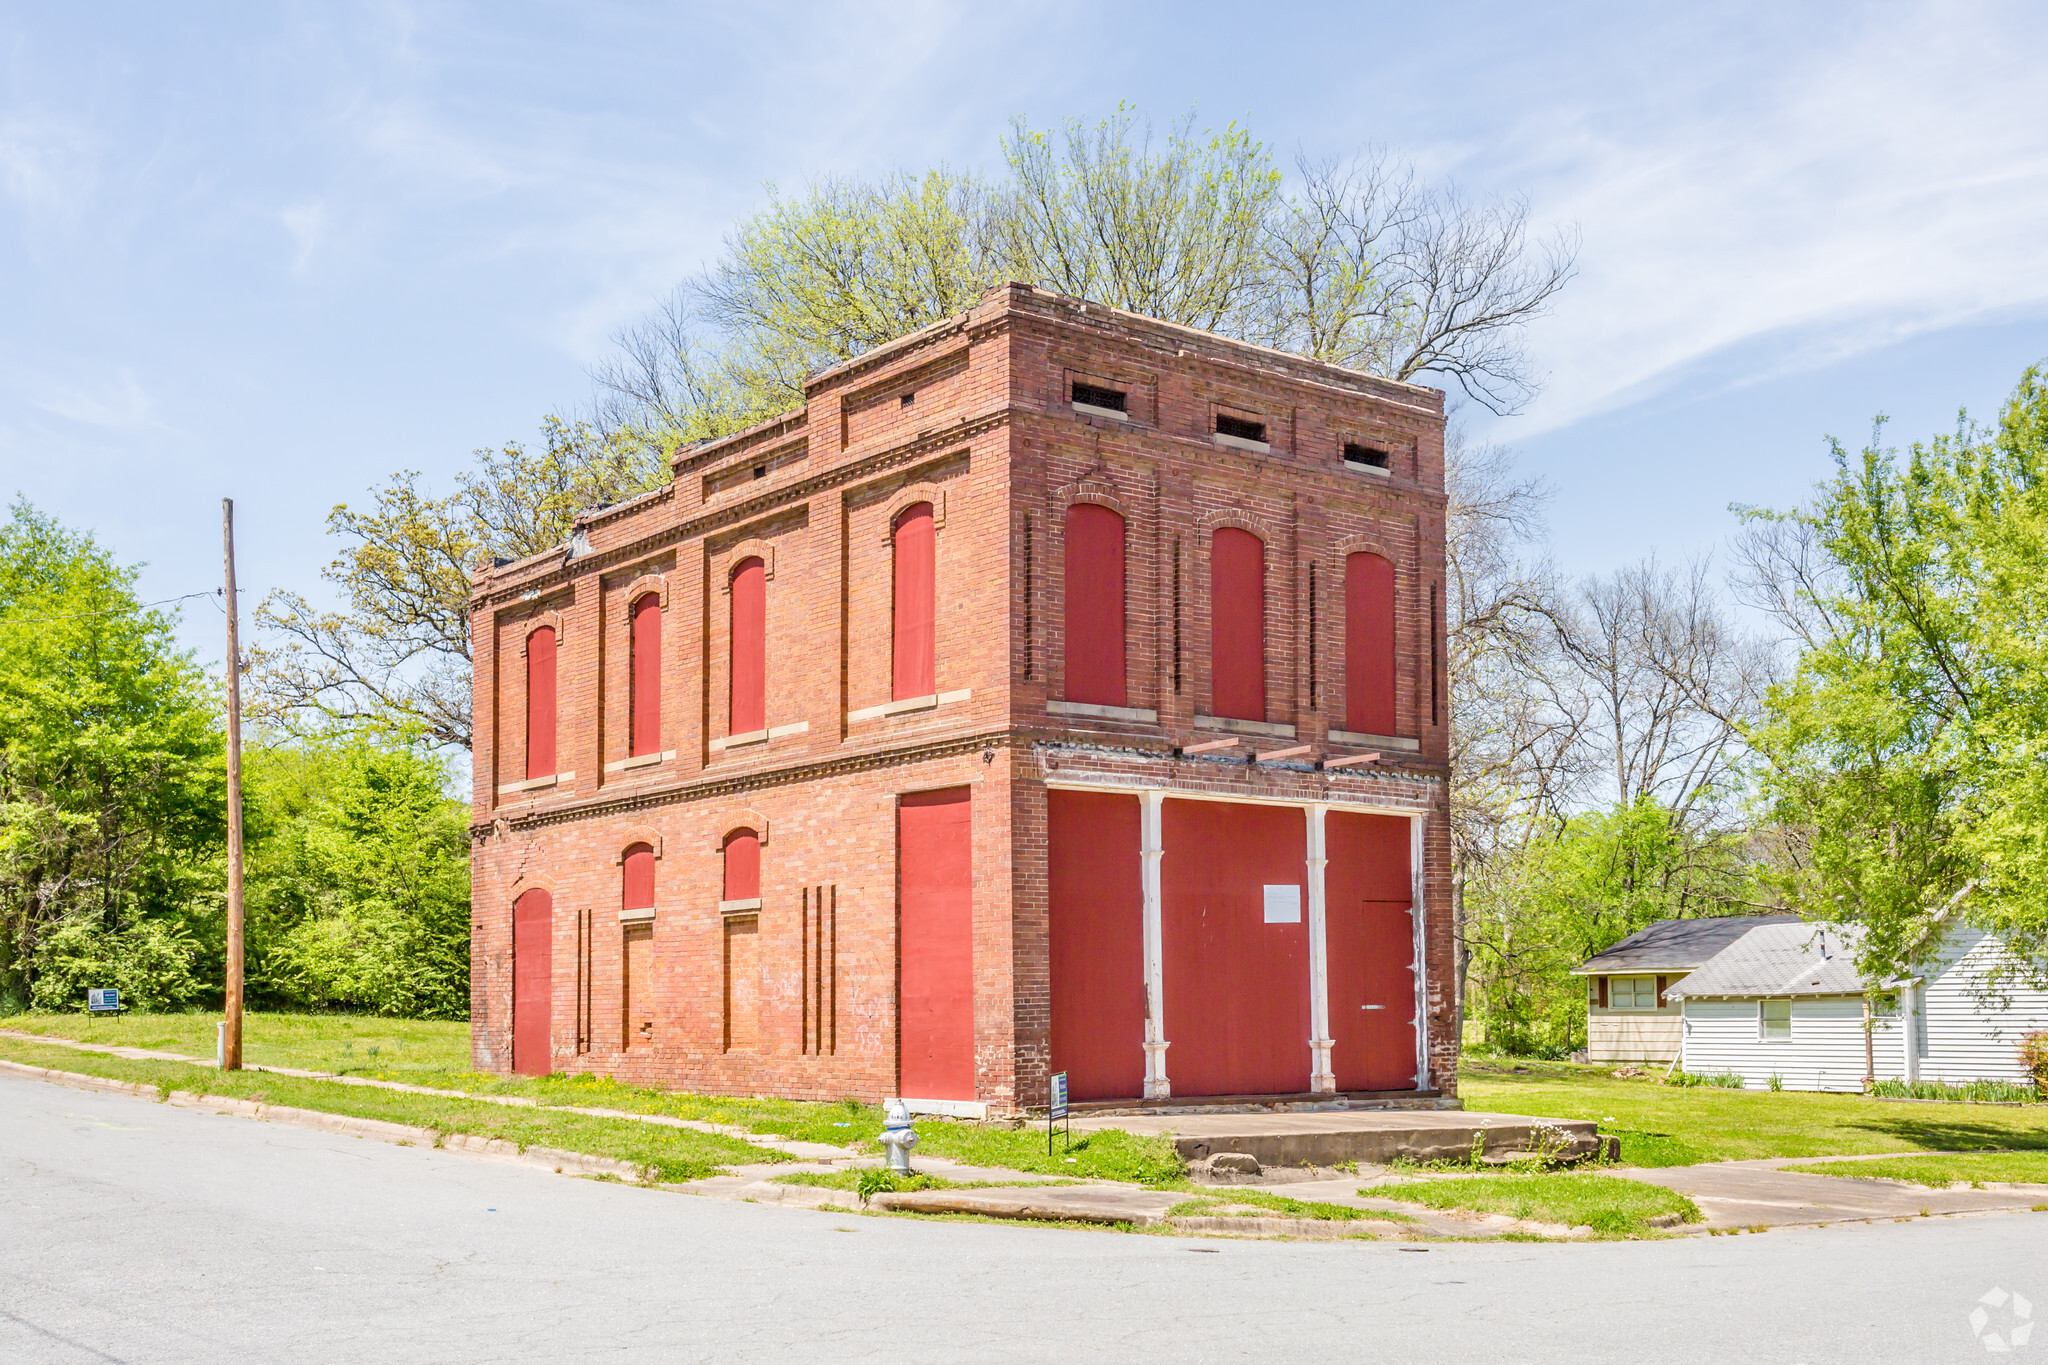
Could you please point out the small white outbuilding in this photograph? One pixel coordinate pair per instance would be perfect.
(1786, 1000)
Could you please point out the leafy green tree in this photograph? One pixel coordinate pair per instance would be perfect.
(1542, 908)
(1908, 754)
(359, 879)
(112, 777)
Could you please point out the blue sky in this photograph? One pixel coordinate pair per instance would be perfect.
(280, 251)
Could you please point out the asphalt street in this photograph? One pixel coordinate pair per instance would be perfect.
(132, 1231)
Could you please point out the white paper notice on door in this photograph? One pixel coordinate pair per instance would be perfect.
(1283, 905)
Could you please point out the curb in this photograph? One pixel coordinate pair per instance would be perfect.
(341, 1125)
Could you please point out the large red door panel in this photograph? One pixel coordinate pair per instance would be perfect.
(1097, 903)
(1371, 951)
(533, 953)
(935, 870)
(1237, 1013)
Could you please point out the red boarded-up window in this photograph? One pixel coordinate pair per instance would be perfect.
(1369, 644)
(916, 542)
(636, 891)
(647, 675)
(742, 865)
(1095, 605)
(1237, 623)
(540, 703)
(749, 710)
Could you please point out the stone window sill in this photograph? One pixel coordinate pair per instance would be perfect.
(1090, 410)
(908, 706)
(534, 784)
(751, 737)
(1240, 443)
(1374, 741)
(644, 915)
(749, 905)
(640, 761)
(1230, 726)
(1142, 714)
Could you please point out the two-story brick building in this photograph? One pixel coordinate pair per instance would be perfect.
(1058, 690)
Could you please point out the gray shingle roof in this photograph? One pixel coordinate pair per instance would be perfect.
(1781, 960)
(1676, 945)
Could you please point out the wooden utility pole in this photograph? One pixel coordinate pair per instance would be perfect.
(231, 1048)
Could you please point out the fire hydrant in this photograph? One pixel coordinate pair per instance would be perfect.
(898, 1136)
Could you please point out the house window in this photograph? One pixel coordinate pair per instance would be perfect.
(646, 674)
(1237, 624)
(636, 884)
(1367, 459)
(1369, 644)
(540, 703)
(747, 709)
(1239, 428)
(915, 623)
(1095, 396)
(1095, 605)
(1774, 1020)
(1632, 992)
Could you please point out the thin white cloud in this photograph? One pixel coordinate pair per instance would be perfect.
(1849, 199)
(117, 403)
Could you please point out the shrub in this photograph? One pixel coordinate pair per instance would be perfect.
(2034, 1056)
(150, 963)
(1777, 1081)
(1982, 1092)
(1725, 1080)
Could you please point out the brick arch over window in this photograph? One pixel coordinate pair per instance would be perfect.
(1213, 521)
(909, 496)
(1369, 672)
(752, 548)
(638, 834)
(747, 679)
(636, 877)
(1095, 605)
(742, 877)
(739, 819)
(914, 619)
(646, 583)
(1098, 491)
(1237, 623)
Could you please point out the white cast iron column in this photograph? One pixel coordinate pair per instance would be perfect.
(1321, 1079)
(1417, 883)
(1150, 850)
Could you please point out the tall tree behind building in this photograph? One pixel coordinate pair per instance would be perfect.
(1357, 263)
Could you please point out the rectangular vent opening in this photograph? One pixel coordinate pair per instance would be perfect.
(1094, 396)
(1227, 425)
(908, 399)
(1368, 457)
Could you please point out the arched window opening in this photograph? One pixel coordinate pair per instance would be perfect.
(742, 866)
(647, 675)
(748, 709)
(636, 889)
(540, 703)
(1095, 606)
(1237, 623)
(915, 608)
(1368, 644)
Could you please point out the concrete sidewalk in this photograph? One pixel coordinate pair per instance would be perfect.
(1757, 1194)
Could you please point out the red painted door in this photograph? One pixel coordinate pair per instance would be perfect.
(1371, 945)
(1097, 905)
(533, 926)
(1237, 1016)
(934, 850)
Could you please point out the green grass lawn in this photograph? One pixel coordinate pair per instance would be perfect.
(1662, 1125)
(2029, 1168)
(673, 1154)
(1611, 1206)
(436, 1053)
(1205, 1204)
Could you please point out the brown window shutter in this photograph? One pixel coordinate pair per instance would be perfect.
(1660, 990)
(1603, 992)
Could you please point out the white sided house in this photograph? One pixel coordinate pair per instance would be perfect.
(1630, 1015)
(1785, 1000)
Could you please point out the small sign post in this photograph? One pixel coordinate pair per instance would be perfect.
(103, 1000)
(1057, 1110)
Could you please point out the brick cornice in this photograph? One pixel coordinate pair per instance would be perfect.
(881, 462)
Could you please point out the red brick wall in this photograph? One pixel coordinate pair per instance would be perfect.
(991, 440)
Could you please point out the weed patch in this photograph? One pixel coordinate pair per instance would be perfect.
(1611, 1206)
(1940, 1172)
